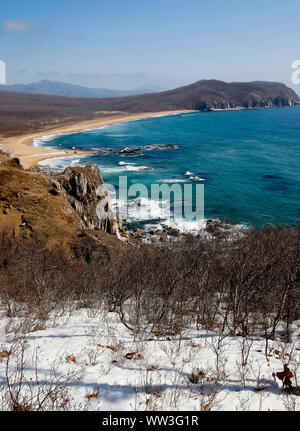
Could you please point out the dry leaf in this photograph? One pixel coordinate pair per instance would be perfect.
(89, 396)
(285, 376)
(114, 349)
(158, 334)
(133, 355)
(71, 359)
(195, 378)
(4, 354)
(21, 408)
(157, 394)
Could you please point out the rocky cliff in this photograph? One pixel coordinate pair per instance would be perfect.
(56, 209)
(88, 197)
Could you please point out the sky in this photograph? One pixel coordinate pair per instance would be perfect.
(128, 44)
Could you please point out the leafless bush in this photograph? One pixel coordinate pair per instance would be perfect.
(247, 286)
(19, 392)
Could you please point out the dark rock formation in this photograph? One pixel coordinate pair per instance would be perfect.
(160, 147)
(128, 150)
(88, 197)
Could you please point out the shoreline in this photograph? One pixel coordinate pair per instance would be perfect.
(29, 155)
(21, 146)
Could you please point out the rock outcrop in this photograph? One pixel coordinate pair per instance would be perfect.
(87, 195)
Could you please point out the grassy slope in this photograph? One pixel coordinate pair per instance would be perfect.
(28, 197)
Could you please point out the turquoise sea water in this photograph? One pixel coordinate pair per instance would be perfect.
(250, 159)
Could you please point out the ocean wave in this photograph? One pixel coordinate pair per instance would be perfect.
(195, 178)
(155, 215)
(125, 168)
(126, 163)
(61, 163)
(186, 226)
(94, 131)
(38, 142)
(171, 181)
(141, 209)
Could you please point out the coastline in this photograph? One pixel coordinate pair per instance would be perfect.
(29, 155)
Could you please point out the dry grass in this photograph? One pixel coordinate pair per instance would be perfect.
(30, 208)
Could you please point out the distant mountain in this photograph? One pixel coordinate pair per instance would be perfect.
(206, 95)
(64, 89)
(20, 112)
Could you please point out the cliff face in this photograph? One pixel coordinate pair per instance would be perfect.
(213, 94)
(56, 209)
(86, 194)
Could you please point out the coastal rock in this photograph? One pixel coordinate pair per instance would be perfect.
(87, 195)
(105, 151)
(160, 147)
(128, 150)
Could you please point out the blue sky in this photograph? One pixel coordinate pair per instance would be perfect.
(126, 44)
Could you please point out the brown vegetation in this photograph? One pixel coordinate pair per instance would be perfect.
(243, 288)
(32, 205)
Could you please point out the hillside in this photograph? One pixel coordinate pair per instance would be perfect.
(61, 209)
(22, 112)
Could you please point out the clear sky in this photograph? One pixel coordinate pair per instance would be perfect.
(125, 44)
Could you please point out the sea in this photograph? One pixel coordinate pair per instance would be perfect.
(246, 164)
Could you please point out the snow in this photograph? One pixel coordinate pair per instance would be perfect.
(159, 377)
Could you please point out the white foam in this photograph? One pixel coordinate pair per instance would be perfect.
(38, 142)
(141, 209)
(94, 130)
(195, 178)
(61, 162)
(186, 226)
(188, 173)
(171, 181)
(125, 168)
(126, 163)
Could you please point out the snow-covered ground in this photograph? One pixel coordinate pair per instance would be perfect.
(85, 355)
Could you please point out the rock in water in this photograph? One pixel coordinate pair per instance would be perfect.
(87, 195)
(128, 150)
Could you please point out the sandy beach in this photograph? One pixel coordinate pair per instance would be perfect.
(29, 155)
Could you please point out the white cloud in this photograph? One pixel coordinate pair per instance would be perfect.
(18, 27)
